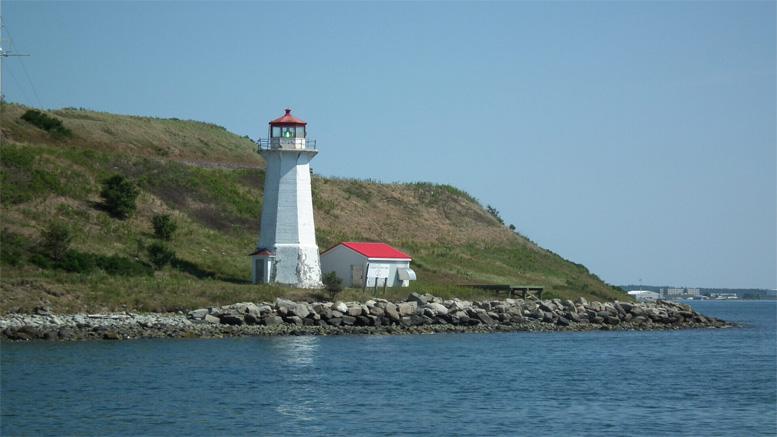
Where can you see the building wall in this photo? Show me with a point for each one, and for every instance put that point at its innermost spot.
(341, 258)
(288, 228)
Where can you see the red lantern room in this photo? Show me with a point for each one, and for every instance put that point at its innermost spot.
(288, 132)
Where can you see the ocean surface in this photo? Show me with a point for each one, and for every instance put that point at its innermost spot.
(691, 382)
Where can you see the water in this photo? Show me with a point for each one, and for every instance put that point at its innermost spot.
(706, 382)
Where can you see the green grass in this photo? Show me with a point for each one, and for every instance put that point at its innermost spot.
(453, 240)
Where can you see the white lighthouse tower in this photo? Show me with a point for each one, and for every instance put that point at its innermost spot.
(287, 252)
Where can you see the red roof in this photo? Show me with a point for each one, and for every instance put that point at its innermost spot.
(373, 250)
(288, 119)
(262, 252)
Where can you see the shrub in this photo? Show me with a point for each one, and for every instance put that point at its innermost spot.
(164, 226)
(120, 266)
(160, 254)
(12, 248)
(43, 121)
(491, 210)
(119, 196)
(332, 284)
(76, 262)
(56, 240)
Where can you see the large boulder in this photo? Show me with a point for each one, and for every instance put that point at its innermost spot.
(407, 308)
(392, 312)
(340, 307)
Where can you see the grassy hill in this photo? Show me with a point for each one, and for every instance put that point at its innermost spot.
(210, 181)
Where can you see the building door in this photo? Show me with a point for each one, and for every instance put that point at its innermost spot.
(357, 272)
(260, 271)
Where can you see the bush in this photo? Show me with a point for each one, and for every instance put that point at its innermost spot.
(56, 240)
(12, 248)
(332, 284)
(49, 124)
(76, 262)
(119, 196)
(493, 211)
(160, 254)
(119, 266)
(40, 261)
(164, 226)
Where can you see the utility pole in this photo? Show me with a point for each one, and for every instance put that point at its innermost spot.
(4, 54)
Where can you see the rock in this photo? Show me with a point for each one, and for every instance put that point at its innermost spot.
(392, 313)
(110, 335)
(197, 314)
(212, 319)
(341, 307)
(418, 299)
(377, 311)
(293, 320)
(483, 317)
(271, 320)
(562, 322)
(407, 308)
(354, 310)
(349, 320)
(436, 308)
(232, 319)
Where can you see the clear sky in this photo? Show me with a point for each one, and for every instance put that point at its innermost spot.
(636, 138)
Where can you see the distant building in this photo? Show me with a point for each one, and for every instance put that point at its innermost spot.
(368, 265)
(675, 291)
(692, 292)
(643, 295)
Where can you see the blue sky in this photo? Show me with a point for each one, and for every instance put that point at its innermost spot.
(636, 138)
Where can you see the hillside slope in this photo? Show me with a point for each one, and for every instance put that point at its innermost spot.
(54, 178)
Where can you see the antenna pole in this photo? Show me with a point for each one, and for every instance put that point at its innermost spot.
(4, 54)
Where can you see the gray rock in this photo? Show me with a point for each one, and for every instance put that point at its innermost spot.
(197, 314)
(340, 307)
(271, 320)
(418, 299)
(392, 313)
(407, 308)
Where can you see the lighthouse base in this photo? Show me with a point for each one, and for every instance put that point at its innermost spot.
(297, 265)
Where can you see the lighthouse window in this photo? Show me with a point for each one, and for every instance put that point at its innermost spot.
(288, 132)
(276, 131)
(300, 132)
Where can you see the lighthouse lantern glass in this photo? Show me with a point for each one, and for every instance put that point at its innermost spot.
(288, 132)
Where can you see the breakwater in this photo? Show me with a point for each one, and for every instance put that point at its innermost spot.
(418, 314)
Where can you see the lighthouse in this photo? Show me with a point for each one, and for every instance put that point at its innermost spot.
(287, 252)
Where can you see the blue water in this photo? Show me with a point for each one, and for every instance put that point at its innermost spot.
(705, 382)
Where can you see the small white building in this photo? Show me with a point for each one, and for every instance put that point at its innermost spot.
(368, 265)
(643, 295)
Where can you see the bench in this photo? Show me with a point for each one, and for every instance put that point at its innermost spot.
(527, 291)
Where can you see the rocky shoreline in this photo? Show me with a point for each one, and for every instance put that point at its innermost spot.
(419, 314)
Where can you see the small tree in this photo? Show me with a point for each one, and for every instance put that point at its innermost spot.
(119, 195)
(164, 226)
(160, 254)
(56, 240)
(332, 284)
(493, 211)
